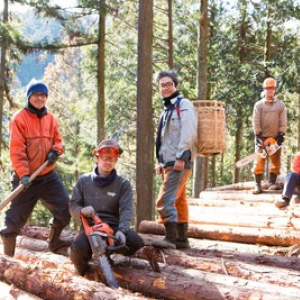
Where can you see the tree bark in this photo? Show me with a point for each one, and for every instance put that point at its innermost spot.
(145, 130)
(56, 283)
(101, 73)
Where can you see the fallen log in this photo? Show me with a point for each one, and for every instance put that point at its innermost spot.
(178, 283)
(249, 185)
(228, 203)
(10, 292)
(55, 284)
(218, 286)
(236, 220)
(241, 210)
(244, 266)
(268, 197)
(274, 237)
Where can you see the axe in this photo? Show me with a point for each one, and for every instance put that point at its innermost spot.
(21, 187)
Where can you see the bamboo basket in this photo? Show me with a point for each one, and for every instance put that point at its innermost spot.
(211, 127)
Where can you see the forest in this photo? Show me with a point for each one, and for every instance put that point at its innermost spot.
(99, 59)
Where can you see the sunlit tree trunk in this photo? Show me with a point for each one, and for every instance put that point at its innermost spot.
(201, 164)
(2, 71)
(170, 35)
(101, 73)
(145, 128)
(242, 56)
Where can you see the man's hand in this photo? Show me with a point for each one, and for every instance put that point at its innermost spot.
(25, 181)
(179, 165)
(52, 157)
(88, 212)
(121, 237)
(280, 139)
(259, 142)
(158, 169)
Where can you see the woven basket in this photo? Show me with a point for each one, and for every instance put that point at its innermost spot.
(211, 127)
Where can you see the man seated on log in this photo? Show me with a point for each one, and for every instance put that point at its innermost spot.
(292, 184)
(35, 138)
(175, 152)
(109, 196)
(269, 121)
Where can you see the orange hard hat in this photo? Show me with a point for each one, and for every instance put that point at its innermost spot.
(108, 147)
(269, 83)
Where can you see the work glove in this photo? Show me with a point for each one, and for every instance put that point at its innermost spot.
(259, 142)
(25, 181)
(88, 212)
(52, 157)
(121, 237)
(280, 139)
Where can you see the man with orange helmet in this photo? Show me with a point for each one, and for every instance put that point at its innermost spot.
(269, 120)
(104, 193)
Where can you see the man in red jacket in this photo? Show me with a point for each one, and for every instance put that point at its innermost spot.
(35, 138)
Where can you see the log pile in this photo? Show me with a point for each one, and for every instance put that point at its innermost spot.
(242, 247)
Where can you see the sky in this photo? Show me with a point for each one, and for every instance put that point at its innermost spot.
(62, 3)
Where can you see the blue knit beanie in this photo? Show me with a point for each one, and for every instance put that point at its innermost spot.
(36, 86)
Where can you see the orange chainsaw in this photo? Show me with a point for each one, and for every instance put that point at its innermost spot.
(103, 243)
(269, 148)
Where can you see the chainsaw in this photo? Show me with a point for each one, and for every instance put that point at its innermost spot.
(270, 147)
(103, 243)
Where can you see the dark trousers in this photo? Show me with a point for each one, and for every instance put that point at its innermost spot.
(50, 190)
(81, 252)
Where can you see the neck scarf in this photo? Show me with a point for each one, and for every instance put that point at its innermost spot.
(167, 100)
(39, 112)
(101, 180)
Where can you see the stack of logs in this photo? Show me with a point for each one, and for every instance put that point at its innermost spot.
(242, 247)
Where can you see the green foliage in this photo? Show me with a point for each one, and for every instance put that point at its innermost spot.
(71, 73)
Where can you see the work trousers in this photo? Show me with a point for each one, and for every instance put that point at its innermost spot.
(50, 190)
(172, 206)
(81, 251)
(291, 185)
(274, 167)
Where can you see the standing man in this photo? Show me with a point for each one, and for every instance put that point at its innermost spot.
(175, 152)
(35, 138)
(269, 120)
(109, 196)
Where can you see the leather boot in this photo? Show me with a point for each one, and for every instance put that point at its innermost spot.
(170, 237)
(182, 240)
(258, 188)
(9, 245)
(273, 186)
(283, 202)
(54, 242)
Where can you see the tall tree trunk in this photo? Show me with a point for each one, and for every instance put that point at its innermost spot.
(101, 73)
(3, 70)
(201, 163)
(268, 41)
(242, 55)
(145, 128)
(170, 35)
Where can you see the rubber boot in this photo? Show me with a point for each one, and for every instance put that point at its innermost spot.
(9, 245)
(80, 266)
(54, 242)
(258, 188)
(182, 240)
(283, 202)
(170, 237)
(273, 186)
